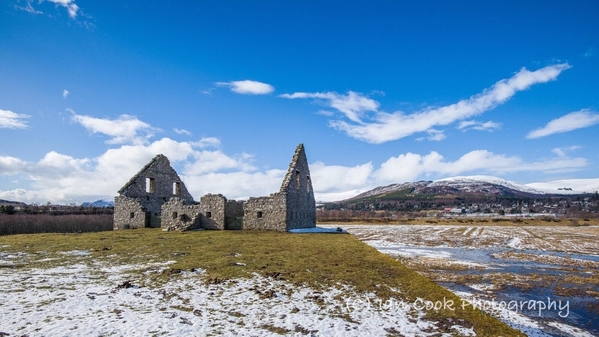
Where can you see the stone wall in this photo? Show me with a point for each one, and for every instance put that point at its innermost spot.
(300, 203)
(152, 186)
(177, 215)
(212, 207)
(128, 213)
(234, 208)
(266, 213)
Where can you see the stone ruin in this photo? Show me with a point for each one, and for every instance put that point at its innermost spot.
(156, 197)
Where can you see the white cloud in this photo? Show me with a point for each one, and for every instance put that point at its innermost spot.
(410, 166)
(572, 121)
(11, 165)
(248, 87)
(61, 178)
(73, 10)
(213, 161)
(235, 185)
(29, 8)
(65, 93)
(433, 135)
(480, 126)
(562, 151)
(126, 129)
(352, 104)
(70, 5)
(12, 120)
(379, 127)
(207, 142)
(331, 178)
(182, 132)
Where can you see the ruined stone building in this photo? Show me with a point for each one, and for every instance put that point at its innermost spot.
(139, 203)
(156, 197)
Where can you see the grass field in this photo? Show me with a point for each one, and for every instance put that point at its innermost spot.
(319, 261)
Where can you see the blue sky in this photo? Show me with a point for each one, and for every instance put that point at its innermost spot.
(379, 92)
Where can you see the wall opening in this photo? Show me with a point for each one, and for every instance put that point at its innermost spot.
(259, 214)
(209, 215)
(131, 215)
(150, 185)
(175, 215)
(176, 188)
(297, 179)
(308, 183)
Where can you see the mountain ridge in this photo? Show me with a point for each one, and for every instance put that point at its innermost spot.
(482, 185)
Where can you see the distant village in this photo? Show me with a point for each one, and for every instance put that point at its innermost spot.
(570, 206)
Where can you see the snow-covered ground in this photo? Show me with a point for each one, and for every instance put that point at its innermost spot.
(88, 297)
(503, 251)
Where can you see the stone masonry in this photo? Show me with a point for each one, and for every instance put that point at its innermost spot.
(293, 207)
(140, 200)
(179, 215)
(156, 197)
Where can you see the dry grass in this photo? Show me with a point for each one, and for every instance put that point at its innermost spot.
(318, 260)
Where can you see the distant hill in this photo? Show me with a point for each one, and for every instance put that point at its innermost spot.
(12, 203)
(484, 186)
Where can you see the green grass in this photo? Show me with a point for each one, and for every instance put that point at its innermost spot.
(317, 260)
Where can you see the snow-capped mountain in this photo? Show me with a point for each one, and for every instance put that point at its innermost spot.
(382, 190)
(99, 203)
(484, 185)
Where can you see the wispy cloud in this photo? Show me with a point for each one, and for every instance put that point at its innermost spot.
(247, 87)
(73, 10)
(12, 120)
(572, 121)
(70, 6)
(563, 151)
(65, 93)
(29, 8)
(480, 126)
(590, 53)
(125, 129)
(433, 135)
(182, 132)
(352, 104)
(379, 127)
(207, 142)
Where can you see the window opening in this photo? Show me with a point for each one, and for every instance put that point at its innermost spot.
(175, 215)
(297, 179)
(176, 188)
(209, 215)
(131, 215)
(150, 185)
(259, 214)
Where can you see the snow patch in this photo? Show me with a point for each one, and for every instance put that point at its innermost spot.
(96, 298)
(515, 243)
